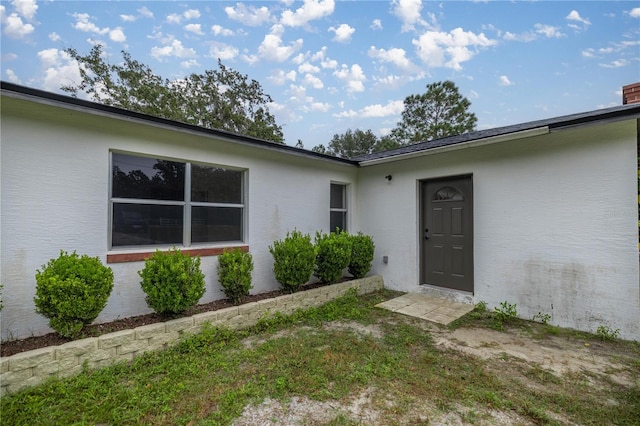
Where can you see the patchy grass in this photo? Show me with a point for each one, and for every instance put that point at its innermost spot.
(396, 375)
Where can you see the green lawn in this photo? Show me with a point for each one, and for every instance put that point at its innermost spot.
(330, 357)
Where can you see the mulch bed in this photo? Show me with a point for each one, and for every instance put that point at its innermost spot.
(53, 339)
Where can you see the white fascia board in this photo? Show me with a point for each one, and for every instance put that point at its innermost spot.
(463, 145)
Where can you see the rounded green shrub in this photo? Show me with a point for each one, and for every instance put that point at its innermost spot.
(362, 249)
(172, 281)
(293, 260)
(71, 291)
(234, 273)
(333, 254)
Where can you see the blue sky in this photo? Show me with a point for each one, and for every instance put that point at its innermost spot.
(334, 65)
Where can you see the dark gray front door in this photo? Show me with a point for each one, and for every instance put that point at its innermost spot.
(447, 233)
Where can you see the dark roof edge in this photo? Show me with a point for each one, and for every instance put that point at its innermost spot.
(58, 99)
(616, 113)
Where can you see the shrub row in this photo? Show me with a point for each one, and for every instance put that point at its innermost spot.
(296, 258)
(72, 290)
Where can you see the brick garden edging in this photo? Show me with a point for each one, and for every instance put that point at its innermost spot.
(31, 368)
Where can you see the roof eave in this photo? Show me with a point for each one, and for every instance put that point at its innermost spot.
(80, 105)
(463, 145)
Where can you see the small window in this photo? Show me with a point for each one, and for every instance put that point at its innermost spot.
(338, 207)
(162, 202)
(448, 193)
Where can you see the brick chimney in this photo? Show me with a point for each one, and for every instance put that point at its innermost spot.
(631, 94)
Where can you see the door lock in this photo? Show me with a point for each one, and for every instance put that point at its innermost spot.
(426, 233)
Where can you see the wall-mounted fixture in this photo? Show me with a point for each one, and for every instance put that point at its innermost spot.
(385, 259)
(388, 177)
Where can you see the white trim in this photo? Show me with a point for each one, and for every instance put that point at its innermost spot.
(463, 145)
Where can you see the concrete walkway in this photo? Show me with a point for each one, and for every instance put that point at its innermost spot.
(438, 310)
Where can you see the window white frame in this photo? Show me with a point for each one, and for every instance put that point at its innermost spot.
(343, 206)
(187, 204)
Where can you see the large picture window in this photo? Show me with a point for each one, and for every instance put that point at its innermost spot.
(164, 202)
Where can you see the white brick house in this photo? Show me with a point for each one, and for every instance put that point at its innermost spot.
(541, 214)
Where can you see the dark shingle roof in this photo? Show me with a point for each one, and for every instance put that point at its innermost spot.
(608, 114)
(71, 102)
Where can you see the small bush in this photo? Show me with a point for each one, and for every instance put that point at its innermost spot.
(234, 274)
(507, 312)
(71, 291)
(362, 249)
(293, 260)
(333, 255)
(607, 333)
(172, 281)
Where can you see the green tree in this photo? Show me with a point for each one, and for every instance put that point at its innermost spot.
(439, 112)
(217, 99)
(354, 143)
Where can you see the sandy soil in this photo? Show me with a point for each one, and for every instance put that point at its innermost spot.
(557, 355)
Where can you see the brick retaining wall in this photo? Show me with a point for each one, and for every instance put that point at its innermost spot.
(31, 368)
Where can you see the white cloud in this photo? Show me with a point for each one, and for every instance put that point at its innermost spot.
(395, 56)
(588, 53)
(223, 51)
(189, 64)
(306, 67)
(504, 81)
(309, 11)
(272, 48)
(343, 33)
(59, 69)
(84, 24)
(194, 28)
(374, 111)
(313, 81)
(318, 107)
(376, 24)
(26, 8)
(12, 77)
(615, 64)
(409, 12)
(279, 77)
(175, 48)
(117, 35)
(221, 31)
(635, 12)
(174, 18)
(454, 47)
(575, 16)
(251, 16)
(325, 62)
(548, 31)
(144, 11)
(191, 14)
(353, 77)
(128, 18)
(14, 27)
(526, 36)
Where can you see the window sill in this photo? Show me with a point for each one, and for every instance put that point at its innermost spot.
(141, 256)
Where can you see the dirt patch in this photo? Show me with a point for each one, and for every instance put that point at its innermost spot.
(303, 411)
(557, 355)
